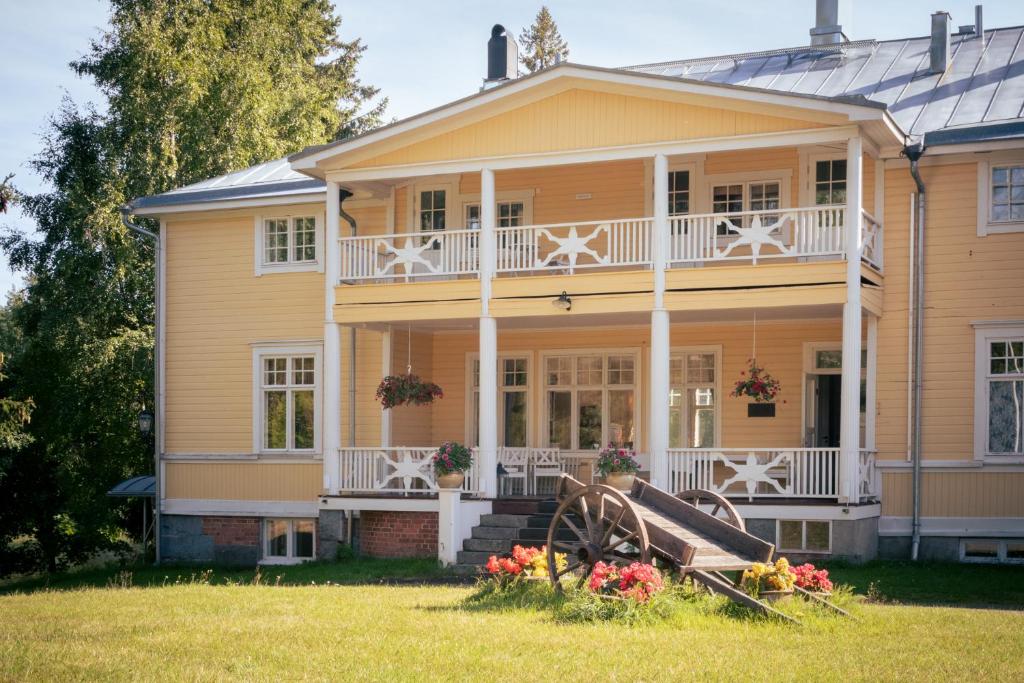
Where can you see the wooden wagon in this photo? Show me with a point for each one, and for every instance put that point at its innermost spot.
(596, 523)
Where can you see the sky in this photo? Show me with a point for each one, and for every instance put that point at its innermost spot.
(423, 53)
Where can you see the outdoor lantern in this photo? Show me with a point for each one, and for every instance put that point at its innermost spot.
(145, 422)
(563, 302)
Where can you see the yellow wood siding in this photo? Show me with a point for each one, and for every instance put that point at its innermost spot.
(217, 308)
(580, 119)
(955, 494)
(243, 480)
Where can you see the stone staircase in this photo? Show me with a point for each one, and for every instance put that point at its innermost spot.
(513, 522)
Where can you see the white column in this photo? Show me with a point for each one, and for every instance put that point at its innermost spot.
(449, 539)
(332, 346)
(849, 419)
(660, 334)
(385, 370)
(488, 342)
(871, 383)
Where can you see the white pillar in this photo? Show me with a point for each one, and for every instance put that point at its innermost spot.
(332, 345)
(449, 539)
(871, 383)
(849, 420)
(488, 342)
(385, 370)
(660, 335)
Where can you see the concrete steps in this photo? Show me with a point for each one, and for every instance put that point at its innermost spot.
(514, 522)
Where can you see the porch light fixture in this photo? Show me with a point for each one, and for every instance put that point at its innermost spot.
(145, 423)
(563, 302)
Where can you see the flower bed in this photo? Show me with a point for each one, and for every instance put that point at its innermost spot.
(812, 579)
(530, 563)
(762, 579)
(636, 581)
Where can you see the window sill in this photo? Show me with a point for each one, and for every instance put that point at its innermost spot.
(284, 561)
(1002, 228)
(298, 455)
(271, 268)
(990, 459)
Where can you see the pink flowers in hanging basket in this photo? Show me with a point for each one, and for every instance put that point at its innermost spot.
(397, 390)
(758, 385)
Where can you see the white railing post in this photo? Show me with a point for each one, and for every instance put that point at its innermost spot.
(331, 419)
(488, 341)
(448, 538)
(660, 330)
(849, 420)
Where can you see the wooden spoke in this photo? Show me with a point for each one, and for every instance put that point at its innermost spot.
(621, 541)
(565, 545)
(586, 517)
(613, 526)
(568, 568)
(575, 529)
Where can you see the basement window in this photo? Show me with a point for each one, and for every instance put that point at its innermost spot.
(288, 541)
(992, 551)
(804, 536)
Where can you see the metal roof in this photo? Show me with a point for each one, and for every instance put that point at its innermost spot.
(269, 179)
(136, 487)
(983, 84)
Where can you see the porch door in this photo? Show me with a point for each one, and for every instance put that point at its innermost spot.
(692, 408)
(824, 396)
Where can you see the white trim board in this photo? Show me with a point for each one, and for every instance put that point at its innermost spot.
(239, 508)
(379, 503)
(825, 511)
(1001, 527)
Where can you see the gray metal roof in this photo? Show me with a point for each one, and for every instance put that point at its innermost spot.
(141, 487)
(269, 179)
(984, 82)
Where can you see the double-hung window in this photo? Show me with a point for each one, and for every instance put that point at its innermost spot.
(287, 243)
(693, 405)
(733, 198)
(590, 400)
(287, 404)
(510, 214)
(830, 182)
(1000, 196)
(999, 414)
(432, 212)
(513, 394)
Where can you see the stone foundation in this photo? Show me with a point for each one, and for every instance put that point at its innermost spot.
(330, 533)
(934, 548)
(397, 534)
(855, 540)
(217, 540)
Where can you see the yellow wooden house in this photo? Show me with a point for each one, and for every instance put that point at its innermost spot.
(588, 256)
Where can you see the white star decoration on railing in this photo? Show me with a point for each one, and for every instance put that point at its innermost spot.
(754, 472)
(756, 236)
(572, 246)
(411, 466)
(408, 255)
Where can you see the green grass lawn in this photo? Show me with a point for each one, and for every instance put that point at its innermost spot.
(169, 624)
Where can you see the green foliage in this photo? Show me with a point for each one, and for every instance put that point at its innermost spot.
(541, 43)
(193, 89)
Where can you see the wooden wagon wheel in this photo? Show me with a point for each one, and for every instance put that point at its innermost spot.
(593, 524)
(721, 506)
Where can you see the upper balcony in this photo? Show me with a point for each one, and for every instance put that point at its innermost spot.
(797, 235)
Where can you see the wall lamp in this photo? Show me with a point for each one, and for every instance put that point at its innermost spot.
(563, 302)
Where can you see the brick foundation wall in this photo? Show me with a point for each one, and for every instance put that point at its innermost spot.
(386, 533)
(233, 530)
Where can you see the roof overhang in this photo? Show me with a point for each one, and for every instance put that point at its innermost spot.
(872, 116)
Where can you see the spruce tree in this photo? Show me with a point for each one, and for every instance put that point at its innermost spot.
(542, 45)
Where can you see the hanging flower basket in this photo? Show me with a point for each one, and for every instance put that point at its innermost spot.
(397, 390)
(757, 384)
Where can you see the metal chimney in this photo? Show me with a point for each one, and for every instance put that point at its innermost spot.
(502, 56)
(827, 27)
(939, 51)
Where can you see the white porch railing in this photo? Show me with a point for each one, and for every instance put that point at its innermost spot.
(756, 473)
(566, 247)
(753, 235)
(389, 471)
(871, 241)
(414, 255)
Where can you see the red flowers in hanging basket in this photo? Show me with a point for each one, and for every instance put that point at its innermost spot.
(759, 385)
(397, 390)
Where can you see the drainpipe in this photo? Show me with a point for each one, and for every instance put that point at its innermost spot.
(158, 389)
(343, 195)
(914, 153)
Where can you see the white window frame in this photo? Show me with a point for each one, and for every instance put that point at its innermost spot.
(472, 396)
(984, 333)
(784, 177)
(290, 558)
(505, 197)
(690, 190)
(289, 266)
(808, 162)
(1000, 557)
(986, 226)
(604, 388)
(810, 368)
(803, 537)
(259, 352)
(681, 352)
